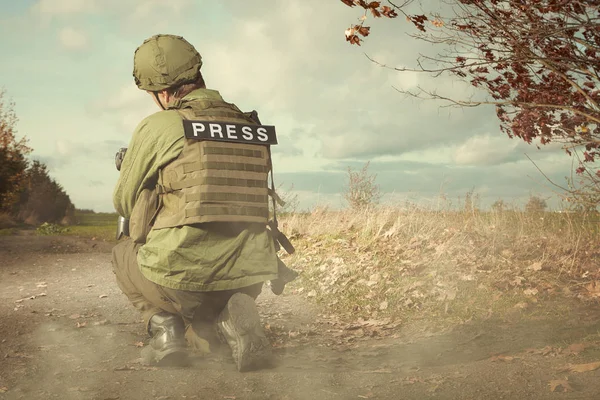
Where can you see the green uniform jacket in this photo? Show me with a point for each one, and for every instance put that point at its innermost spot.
(204, 257)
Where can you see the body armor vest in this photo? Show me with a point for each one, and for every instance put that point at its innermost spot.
(214, 181)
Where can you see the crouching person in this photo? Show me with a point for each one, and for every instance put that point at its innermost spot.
(194, 184)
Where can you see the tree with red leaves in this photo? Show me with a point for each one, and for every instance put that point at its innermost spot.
(537, 62)
(13, 151)
(27, 191)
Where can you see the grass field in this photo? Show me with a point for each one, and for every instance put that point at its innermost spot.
(101, 226)
(89, 224)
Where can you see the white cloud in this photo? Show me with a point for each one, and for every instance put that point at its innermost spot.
(485, 150)
(494, 149)
(126, 107)
(147, 8)
(63, 147)
(62, 7)
(72, 38)
(139, 8)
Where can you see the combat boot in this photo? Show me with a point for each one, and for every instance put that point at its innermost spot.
(167, 345)
(239, 325)
(284, 276)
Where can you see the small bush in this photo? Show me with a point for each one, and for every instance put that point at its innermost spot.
(51, 229)
(536, 205)
(361, 191)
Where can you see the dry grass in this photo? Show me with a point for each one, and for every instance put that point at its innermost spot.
(443, 265)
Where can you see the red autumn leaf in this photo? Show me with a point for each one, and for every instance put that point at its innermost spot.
(364, 30)
(388, 12)
(560, 385)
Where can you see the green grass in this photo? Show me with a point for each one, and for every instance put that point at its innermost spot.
(96, 219)
(99, 232)
(101, 226)
(89, 224)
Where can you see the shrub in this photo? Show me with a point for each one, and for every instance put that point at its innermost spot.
(361, 191)
(50, 229)
(535, 205)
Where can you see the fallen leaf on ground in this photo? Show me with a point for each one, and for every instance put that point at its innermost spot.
(502, 358)
(413, 379)
(530, 292)
(139, 344)
(125, 368)
(561, 384)
(536, 266)
(518, 281)
(103, 296)
(3, 389)
(81, 324)
(582, 367)
(548, 350)
(593, 288)
(383, 305)
(576, 348)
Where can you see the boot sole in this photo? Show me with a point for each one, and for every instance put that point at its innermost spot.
(251, 341)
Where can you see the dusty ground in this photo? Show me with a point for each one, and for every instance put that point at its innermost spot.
(66, 332)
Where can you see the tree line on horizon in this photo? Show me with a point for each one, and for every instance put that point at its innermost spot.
(27, 192)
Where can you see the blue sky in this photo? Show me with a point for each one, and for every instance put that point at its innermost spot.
(67, 64)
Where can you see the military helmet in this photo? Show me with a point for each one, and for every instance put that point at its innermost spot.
(164, 61)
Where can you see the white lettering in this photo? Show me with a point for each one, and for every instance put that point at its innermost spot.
(247, 133)
(214, 129)
(230, 131)
(198, 127)
(262, 134)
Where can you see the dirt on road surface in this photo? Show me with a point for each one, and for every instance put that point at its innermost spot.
(67, 332)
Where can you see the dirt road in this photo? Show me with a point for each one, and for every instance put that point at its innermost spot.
(66, 332)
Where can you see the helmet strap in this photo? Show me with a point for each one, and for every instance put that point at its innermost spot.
(158, 100)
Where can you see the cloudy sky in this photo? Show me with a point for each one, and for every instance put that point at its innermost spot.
(67, 64)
